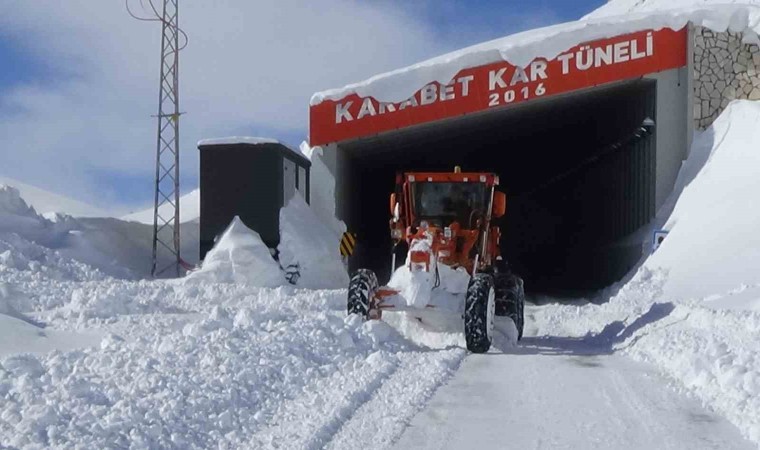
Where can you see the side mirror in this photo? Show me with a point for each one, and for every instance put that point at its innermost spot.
(499, 204)
(394, 207)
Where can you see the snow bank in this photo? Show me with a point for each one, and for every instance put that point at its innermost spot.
(306, 243)
(620, 7)
(47, 202)
(692, 308)
(11, 203)
(522, 48)
(57, 246)
(322, 192)
(19, 339)
(240, 256)
(18, 217)
(252, 369)
(18, 335)
(714, 226)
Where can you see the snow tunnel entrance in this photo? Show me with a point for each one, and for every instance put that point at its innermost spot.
(578, 171)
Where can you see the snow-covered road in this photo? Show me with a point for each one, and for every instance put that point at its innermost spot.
(564, 393)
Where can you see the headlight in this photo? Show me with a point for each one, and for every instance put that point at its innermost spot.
(397, 233)
(447, 233)
(424, 225)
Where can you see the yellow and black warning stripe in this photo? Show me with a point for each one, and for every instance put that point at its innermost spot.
(347, 244)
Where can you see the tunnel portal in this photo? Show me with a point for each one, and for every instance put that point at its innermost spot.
(578, 170)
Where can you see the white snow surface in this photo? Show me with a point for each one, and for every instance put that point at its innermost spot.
(717, 217)
(322, 192)
(240, 256)
(60, 246)
(306, 242)
(691, 309)
(189, 205)
(557, 393)
(195, 363)
(49, 203)
(238, 140)
(621, 7)
(522, 48)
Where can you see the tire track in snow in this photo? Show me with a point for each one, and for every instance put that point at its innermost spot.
(367, 404)
(380, 421)
(310, 420)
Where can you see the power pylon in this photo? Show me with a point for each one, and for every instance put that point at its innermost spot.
(166, 214)
(166, 221)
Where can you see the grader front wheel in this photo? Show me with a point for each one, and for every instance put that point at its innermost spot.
(479, 312)
(361, 290)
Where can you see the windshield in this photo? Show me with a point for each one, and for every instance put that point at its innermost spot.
(444, 203)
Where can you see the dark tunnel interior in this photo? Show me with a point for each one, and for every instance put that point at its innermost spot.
(578, 172)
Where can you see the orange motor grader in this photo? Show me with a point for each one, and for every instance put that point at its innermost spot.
(453, 264)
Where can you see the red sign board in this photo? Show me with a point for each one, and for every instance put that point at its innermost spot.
(502, 84)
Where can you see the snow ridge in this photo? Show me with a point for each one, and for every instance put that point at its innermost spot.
(522, 48)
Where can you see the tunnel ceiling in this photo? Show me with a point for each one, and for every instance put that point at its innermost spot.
(567, 193)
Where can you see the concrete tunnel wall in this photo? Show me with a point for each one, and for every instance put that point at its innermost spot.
(601, 264)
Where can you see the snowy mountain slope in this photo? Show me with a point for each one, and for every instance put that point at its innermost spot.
(47, 202)
(189, 204)
(622, 7)
(77, 248)
(522, 48)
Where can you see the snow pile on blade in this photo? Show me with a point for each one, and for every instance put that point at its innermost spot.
(308, 245)
(693, 308)
(240, 256)
(522, 48)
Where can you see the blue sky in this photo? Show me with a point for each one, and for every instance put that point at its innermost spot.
(79, 80)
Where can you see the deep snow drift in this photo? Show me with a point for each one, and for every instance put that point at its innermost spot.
(191, 365)
(688, 310)
(714, 227)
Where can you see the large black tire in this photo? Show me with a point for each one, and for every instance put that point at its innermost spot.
(361, 290)
(479, 311)
(510, 299)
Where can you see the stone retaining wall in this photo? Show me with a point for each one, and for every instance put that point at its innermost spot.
(725, 69)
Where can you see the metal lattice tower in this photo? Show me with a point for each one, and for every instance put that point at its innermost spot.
(166, 218)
